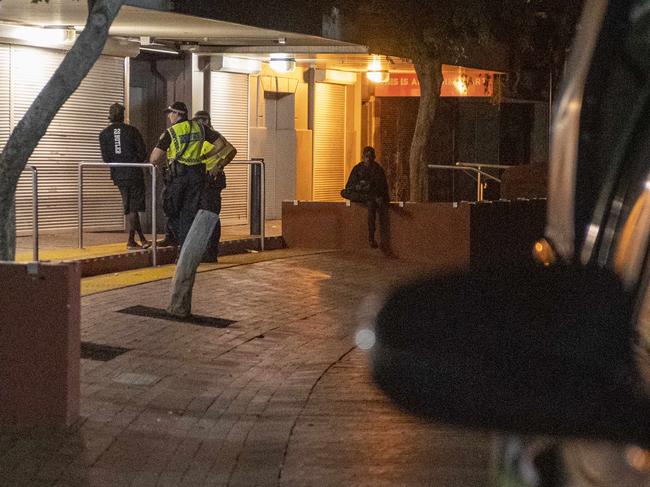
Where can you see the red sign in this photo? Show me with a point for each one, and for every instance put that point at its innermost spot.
(457, 81)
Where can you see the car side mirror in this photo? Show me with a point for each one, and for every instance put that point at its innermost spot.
(524, 349)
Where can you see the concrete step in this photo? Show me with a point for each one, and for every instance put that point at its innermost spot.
(97, 265)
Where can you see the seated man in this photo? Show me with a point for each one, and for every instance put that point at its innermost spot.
(367, 184)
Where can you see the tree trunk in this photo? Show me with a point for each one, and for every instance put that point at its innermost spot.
(180, 301)
(429, 71)
(29, 131)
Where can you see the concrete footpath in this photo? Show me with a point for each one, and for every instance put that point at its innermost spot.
(280, 396)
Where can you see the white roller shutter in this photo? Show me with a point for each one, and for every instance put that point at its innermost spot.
(71, 138)
(329, 142)
(229, 113)
(5, 120)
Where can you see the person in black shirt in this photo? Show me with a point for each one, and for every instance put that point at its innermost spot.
(367, 184)
(120, 142)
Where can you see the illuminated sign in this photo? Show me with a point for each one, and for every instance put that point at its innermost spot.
(457, 81)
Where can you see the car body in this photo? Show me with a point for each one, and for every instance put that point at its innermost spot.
(554, 355)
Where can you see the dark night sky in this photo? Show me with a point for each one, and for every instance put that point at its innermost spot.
(294, 16)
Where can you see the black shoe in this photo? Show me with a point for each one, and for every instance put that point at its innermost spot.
(166, 243)
(145, 244)
(133, 246)
(373, 243)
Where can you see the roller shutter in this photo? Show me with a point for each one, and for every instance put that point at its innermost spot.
(5, 121)
(229, 113)
(5, 100)
(329, 142)
(71, 138)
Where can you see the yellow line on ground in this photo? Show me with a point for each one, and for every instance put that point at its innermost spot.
(71, 253)
(108, 282)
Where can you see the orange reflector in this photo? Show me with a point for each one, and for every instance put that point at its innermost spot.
(543, 252)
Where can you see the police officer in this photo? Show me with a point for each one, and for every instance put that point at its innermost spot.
(120, 142)
(214, 185)
(182, 143)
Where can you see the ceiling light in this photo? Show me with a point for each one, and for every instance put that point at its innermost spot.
(375, 72)
(379, 76)
(282, 63)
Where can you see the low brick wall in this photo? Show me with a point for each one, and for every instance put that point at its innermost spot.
(442, 235)
(39, 344)
(436, 233)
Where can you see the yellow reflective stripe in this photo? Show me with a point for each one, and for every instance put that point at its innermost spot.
(211, 161)
(175, 146)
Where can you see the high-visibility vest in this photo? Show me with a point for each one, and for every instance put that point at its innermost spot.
(187, 143)
(212, 160)
(223, 157)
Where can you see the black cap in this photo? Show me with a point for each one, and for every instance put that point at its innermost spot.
(116, 112)
(202, 114)
(178, 107)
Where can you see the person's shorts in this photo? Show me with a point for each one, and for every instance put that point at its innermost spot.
(133, 198)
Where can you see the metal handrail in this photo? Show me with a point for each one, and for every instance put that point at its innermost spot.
(154, 246)
(259, 162)
(34, 211)
(479, 173)
(480, 165)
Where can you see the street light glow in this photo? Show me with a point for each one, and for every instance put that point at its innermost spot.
(365, 339)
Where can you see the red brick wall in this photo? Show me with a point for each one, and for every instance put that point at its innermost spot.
(39, 344)
(470, 235)
(434, 233)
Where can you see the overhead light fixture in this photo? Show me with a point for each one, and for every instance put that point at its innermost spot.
(282, 63)
(378, 76)
(375, 72)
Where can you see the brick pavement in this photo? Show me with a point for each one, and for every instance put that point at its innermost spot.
(281, 397)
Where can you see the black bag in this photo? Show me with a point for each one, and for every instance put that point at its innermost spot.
(354, 196)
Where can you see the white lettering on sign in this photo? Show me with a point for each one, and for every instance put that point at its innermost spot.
(117, 136)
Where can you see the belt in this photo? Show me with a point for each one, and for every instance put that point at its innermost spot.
(176, 169)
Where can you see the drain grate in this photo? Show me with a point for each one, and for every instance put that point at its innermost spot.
(102, 353)
(198, 320)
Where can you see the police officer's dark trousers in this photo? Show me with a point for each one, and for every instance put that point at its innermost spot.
(183, 197)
